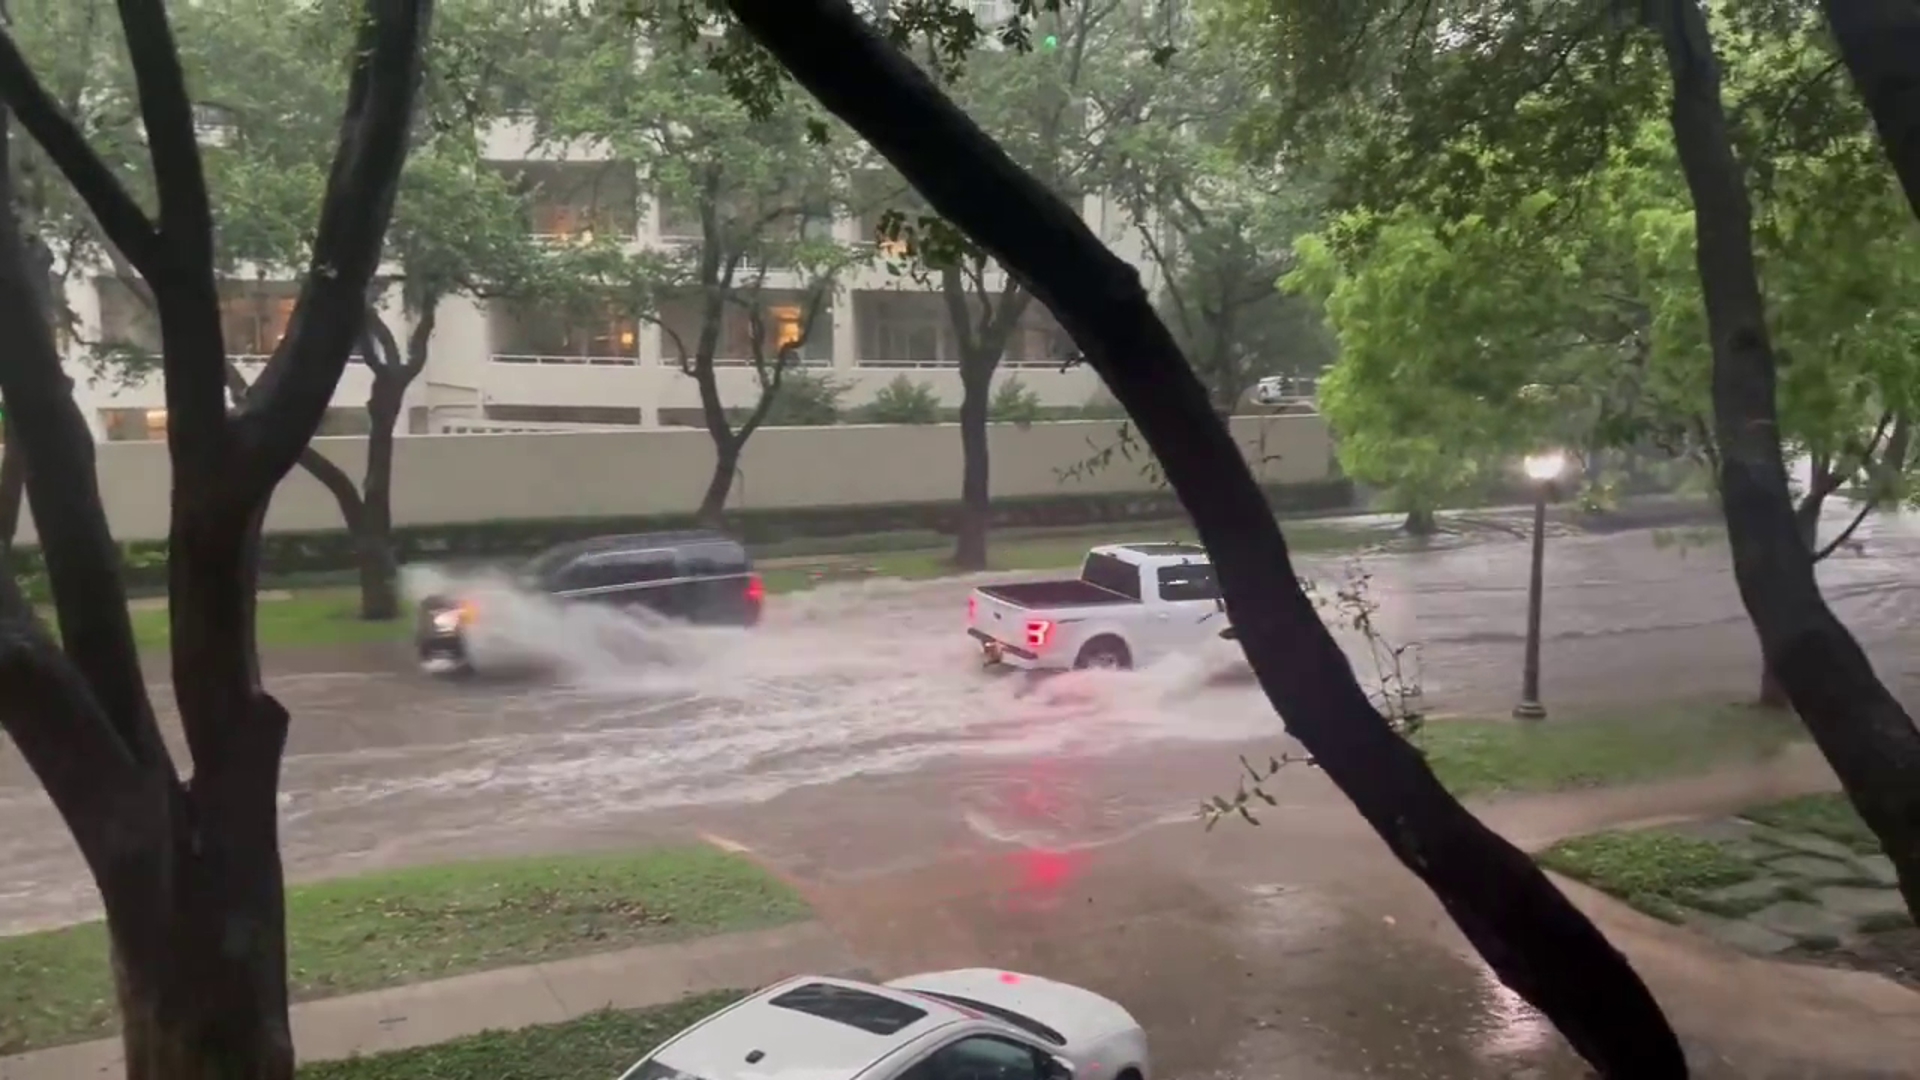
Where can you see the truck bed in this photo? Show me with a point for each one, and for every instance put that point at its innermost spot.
(1066, 592)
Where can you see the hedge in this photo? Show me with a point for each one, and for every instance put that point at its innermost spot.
(293, 553)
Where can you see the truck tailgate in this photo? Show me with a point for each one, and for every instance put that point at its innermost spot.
(1003, 620)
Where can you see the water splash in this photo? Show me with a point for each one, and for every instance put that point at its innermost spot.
(637, 712)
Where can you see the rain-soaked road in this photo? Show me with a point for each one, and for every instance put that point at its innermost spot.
(853, 743)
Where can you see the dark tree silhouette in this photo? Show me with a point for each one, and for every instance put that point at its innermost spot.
(1865, 734)
(188, 868)
(1532, 936)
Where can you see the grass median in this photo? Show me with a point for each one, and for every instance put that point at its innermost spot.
(599, 1046)
(409, 926)
(1601, 749)
(321, 614)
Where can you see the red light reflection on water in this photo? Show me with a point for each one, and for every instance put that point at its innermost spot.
(1042, 807)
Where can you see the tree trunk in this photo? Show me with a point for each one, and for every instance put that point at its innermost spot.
(1860, 727)
(726, 465)
(1806, 517)
(1420, 523)
(13, 488)
(203, 994)
(373, 536)
(976, 500)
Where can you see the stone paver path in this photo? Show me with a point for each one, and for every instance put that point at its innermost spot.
(1808, 893)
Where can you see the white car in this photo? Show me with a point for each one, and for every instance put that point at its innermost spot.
(1131, 604)
(975, 1024)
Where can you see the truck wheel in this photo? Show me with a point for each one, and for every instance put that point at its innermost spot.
(1108, 653)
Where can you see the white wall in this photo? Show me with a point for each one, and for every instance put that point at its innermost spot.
(455, 478)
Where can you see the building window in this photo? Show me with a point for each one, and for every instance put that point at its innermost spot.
(899, 329)
(254, 319)
(783, 319)
(1039, 341)
(534, 334)
(134, 425)
(577, 199)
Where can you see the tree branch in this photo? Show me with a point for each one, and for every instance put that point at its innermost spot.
(1867, 506)
(166, 114)
(126, 225)
(63, 490)
(292, 395)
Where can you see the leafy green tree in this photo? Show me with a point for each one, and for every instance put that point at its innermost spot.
(188, 868)
(459, 227)
(1515, 98)
(1218, 229)
(1045, 105)
(749, 200)
(903, 401)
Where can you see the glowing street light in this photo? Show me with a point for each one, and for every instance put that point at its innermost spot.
(1543, 469)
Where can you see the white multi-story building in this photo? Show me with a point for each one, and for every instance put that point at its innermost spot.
(505, 366)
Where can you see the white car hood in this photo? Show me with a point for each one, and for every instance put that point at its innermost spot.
(1081, 1016)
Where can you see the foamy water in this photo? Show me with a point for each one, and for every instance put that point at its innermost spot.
(644, 713)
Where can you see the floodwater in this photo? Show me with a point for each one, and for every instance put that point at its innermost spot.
(877, 678)
(853, 740)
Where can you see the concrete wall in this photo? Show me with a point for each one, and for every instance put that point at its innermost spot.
(454, 478)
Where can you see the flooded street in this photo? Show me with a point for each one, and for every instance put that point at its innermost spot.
(877, 679)
(854, 744)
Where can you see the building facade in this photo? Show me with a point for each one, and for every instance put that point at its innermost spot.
(498, 365)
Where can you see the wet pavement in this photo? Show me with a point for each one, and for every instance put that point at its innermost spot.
(938, 814)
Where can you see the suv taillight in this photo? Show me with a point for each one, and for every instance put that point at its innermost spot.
(756, 589)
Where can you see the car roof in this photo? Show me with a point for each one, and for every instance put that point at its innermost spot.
(1155, 553)
(651, 541)
(784, 1024)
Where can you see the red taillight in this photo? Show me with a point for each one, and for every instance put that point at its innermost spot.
(756, 589)
(1038, 631)
(973, 608)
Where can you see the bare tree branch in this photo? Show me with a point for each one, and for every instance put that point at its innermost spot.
(121, 218)
(292, 395)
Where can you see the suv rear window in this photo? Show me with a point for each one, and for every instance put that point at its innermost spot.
(1113, 575)
(870, 1013)
(713, 560)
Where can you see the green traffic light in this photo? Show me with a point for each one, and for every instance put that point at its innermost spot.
(1050, 42)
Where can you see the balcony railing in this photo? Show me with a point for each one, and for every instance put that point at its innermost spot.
(541, 358)
(896, 364)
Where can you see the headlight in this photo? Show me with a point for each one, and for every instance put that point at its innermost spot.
(446, 622)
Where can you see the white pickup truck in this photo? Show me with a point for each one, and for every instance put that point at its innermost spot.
(1131, 604)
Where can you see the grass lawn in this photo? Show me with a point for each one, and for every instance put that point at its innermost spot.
(1659, 872)
(595, 1047)
(415, 925)
(329, 614)
(1488, 757)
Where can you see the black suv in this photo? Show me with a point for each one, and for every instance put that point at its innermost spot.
(698, 577)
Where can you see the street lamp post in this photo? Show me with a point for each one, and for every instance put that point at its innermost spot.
(1543, 469)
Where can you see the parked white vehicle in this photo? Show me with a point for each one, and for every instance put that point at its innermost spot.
(1131, 604)
(948, 1025)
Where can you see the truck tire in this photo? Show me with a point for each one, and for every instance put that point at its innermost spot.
(1105, 652)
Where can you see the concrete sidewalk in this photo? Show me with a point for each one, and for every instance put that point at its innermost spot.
(508, 998)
